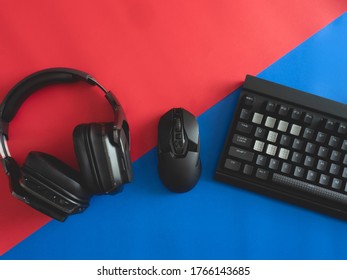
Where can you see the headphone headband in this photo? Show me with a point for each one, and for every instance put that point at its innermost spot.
(30, 84)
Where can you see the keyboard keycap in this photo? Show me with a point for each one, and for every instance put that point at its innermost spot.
(257, 118)
(344, 145)
(309, 161)
(260, 132)
(245, 114)
(258, 146)
(322, 165)
(270, 122)
(323, 152)
(261, 160)
(334, 169)
(240, 153)
(274, 163)
(336, 184)
(342, 128)
(270, 107)
(248, 100)
(244, 127)
(248, 169)
(334, 141)
(295, 130)
(282, 126)
(298, 144)
(283, 111)
(308, 118)
(262, 174)
(272, 136)
(344, 173)
(335, 155)
(324, 180)
(285, 140)
(329, 125)
(308, 133)
(232, 164)
(296, 114)
(242, 140)
(321, 136)
(299, 172)
(296, 157)
(311, 176)
(286, 168)
(271, 150)
(310, 148)
(283, 154)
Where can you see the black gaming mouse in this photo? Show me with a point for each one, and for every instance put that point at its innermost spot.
(179, 150)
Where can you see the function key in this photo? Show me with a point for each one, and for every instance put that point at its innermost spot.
(283, 111)
(296, 114)
(308, 118)
(342, 128)
(248, 100)
(308, 133)
(270, 107)
(329, 124)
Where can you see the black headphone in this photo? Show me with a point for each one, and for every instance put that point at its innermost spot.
(102, 151)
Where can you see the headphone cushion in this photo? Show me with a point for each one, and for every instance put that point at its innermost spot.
(55, 174)
(97, 157)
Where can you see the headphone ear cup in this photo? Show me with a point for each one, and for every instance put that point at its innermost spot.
(98, 157)
(56, 175)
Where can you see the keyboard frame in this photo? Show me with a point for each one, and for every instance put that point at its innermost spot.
(295, 98)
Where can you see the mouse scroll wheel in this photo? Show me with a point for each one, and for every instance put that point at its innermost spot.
(178, 125)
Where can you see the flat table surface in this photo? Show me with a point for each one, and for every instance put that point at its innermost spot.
(214, 220)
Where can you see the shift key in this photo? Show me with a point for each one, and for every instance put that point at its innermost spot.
(240, 153)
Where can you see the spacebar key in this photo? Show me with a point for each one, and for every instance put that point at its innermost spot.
(309, 188)
(240, 153)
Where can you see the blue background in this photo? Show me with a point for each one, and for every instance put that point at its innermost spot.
(214, 220)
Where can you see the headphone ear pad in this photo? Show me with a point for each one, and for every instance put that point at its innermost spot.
(98, 157)
(56, 175)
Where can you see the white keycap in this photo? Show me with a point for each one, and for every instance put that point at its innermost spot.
(295, 130)
(270, 122)
(272, 136)
(257, 118)
(282, 126)
(271, 150)
(283, 154)
(258, 146)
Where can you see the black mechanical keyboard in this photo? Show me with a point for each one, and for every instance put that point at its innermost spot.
(288, 144)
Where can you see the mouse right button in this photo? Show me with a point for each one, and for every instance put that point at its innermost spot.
(191, 126)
